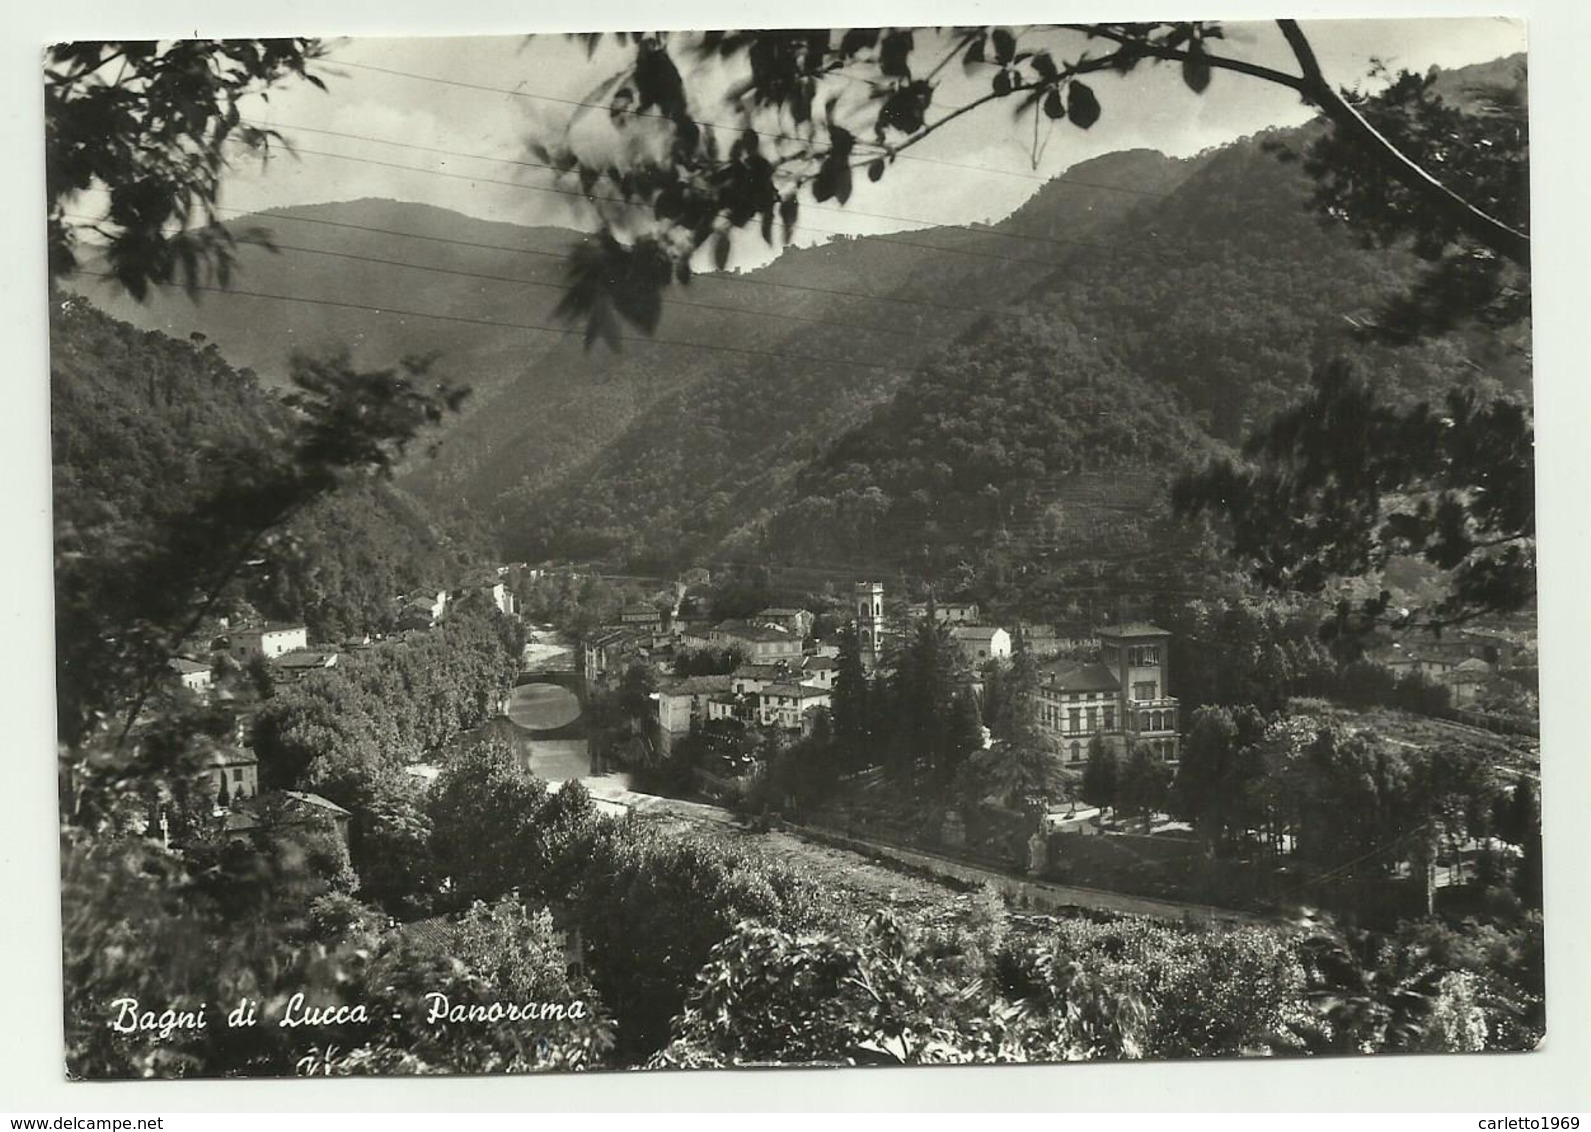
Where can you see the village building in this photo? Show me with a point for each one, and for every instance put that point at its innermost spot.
(786, 706)
(298, 808)
(1496, 648)
(269, 641)
(497, 593)
(1423, 660)
(695, 634)
(420, 611)
(727, 705)
(1467, 681)
(297, 665)
(1122, 698)
(646, 616)
(301, 801)
(1434, 656)
(979, 644)
(795, 621)
(235, 775)
(760, 644)
(749, 679)
(947, 613)
(607, 652)
(1043, 642)
(820, 671)
(193, 675)
(683, 703)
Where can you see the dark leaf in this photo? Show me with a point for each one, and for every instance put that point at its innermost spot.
(842, 183)
(875, 169)
(1004, 45)
(658, 82)
(894, 53)
(1053, 107)
(1196, 71)
(857, 39)
(1082, 106)
(843, 141)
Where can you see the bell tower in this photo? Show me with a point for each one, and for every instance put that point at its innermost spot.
(868, 601)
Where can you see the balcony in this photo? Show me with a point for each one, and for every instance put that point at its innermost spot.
(1154, 717)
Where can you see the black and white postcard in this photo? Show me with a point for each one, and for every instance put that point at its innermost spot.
(855, 547)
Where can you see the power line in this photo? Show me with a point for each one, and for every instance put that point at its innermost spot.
(562, 256)
(883, 239)
(559, 287)
(574, 102)
(841, 211)
(1046, 264)
(562, 331)
(922, 157)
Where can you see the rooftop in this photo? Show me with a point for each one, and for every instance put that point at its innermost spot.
(305, 660)
(610, 634)
(762, 671)
(975, 632)
(236, 757)
(186, 667)
(317, 801)
(740, 630)
(1072, 677)
(795, 691)
(271, 627)
(695, 685)
(1130, 630)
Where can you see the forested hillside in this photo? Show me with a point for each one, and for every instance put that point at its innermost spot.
(915, 401)
(726, 449)
(146, 427)
(1206, 317)
(1178, 306)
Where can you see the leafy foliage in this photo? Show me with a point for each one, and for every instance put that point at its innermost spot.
(890, 998)
(386, 706)
(1477, 145)
(497, 829)
(653, 907)
(503, 952)
(1340, 484)
(690, 187)
(177, 480)
(150, 124)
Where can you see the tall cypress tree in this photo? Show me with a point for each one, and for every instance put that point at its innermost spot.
(851, 707)
(1101, 774)
(923, 693)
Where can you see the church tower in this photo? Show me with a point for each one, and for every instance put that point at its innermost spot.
(869, 605)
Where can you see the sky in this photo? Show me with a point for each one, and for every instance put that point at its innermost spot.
(386, 127)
